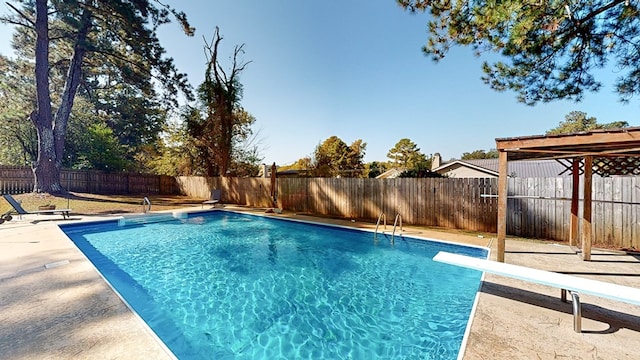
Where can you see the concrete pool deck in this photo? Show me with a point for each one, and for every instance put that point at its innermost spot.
(53, 304)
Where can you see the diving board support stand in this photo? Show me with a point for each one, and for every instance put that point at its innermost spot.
(574, 284)
(577, 308)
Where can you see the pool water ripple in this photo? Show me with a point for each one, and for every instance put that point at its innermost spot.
(234, 286)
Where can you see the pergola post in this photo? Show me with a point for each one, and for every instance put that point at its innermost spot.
(575, 199)
(503, 169)
(619, 148)
(586, 209)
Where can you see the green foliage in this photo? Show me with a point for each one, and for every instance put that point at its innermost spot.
(246, 149)
(137, 120)
(305, 163)
(406, 155)
(304, 166)
(173, 155)
(551, 48)
(189, 146)
(334, 158)
(402, 152)
(80, 121)
(577, 121)
(480, 154)
(102, 151)
(105, 44)
(18, 139)
(375, 168)
(420, 168)
(419, 173)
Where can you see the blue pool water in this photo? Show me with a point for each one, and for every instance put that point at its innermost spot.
(223, 285)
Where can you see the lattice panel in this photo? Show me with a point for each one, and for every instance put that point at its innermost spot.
(568, 167)
(617, 166)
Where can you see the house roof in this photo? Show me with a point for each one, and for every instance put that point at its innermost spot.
(522, 169)
(390, 174)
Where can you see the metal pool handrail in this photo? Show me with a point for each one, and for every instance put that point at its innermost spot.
(381, 216)
(395, 222)
(146, 205)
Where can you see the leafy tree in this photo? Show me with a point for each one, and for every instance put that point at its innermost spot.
(334, 158)
(305, 163)
(186, 148)
(355, 158)
(304, 166)
(118, 32)
(219, 118)
(552, 47)
(105, 97)
(134, 117)
(419, 172)
(174, 154)
(18, 139)
(102, 151)
(577, 121)
(246, 151)
(406, 154)
(81, 121)
(375, 168)
(420, 167)
(480, 154)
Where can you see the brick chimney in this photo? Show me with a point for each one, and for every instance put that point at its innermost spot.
(436, 161)
(263, 171)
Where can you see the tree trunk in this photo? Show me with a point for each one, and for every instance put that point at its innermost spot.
(71, 86)
(47, 177)
(52, 134)
(47, 170)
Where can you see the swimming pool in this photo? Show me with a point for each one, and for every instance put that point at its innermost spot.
(225, 285)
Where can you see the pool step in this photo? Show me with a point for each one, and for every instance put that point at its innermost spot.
(149, 218)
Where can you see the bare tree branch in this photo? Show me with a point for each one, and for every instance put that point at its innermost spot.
(22, 15)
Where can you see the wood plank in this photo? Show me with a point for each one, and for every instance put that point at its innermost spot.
(626, 219)
(586, 237)
(502, 203)
(575, 199)
(607, 210)
(550, 190)
(633, 241)
(617, 209)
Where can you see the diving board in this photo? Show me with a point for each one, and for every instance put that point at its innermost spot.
(574, 284)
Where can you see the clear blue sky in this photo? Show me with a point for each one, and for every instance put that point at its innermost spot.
(355, 69)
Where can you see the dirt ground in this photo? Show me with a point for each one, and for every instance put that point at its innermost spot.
(96, 204)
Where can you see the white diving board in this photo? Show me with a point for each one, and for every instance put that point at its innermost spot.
(573, 284)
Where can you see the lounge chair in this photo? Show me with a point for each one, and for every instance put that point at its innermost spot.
(21, 211)
(214, 199)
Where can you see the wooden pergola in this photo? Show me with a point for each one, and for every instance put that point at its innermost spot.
(604, 152)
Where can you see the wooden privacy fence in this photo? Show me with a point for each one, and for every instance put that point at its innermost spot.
(541, 208)
(19, 179)
(253, 192)
(536, 207)
(450, 203)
